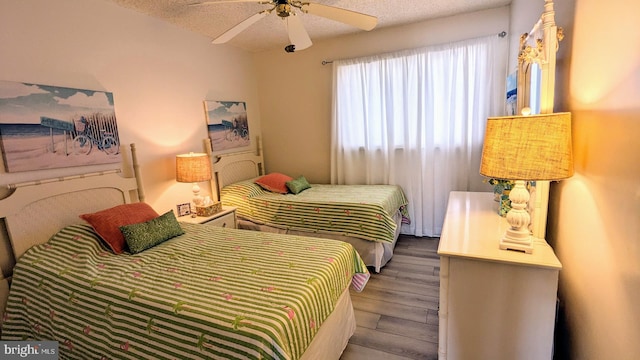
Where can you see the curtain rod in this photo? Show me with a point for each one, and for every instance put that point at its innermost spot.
(327, 62)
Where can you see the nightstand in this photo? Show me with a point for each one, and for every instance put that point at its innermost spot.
(224, 218)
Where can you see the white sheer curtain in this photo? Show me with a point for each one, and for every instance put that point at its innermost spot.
(416, 119)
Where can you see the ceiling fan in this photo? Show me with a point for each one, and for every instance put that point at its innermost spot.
(286, 9)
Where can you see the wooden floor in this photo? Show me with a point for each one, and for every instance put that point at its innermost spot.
(397, 312)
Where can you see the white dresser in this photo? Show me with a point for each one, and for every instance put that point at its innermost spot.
(494, 304)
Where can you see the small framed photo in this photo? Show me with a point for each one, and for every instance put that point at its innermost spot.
(184, 209)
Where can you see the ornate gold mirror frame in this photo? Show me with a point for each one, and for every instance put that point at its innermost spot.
(539, 47)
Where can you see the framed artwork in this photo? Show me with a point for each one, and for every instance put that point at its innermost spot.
(512, 94)
(45, 127)
(227, 124)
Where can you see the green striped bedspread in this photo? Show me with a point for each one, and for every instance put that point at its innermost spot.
(362, 211)
(212, 293)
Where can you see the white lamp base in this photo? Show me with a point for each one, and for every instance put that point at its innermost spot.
(197, 198)
(517, 236)
(525, 246)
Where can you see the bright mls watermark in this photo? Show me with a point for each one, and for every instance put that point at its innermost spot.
(41, 350)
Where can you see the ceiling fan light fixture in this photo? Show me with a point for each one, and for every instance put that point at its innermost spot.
(283, 10)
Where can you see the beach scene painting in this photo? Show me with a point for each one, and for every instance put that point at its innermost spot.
(512, 94)
(46, 127)
(227, 124)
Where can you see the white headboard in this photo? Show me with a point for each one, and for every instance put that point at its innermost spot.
(34, 211)
(230, 168)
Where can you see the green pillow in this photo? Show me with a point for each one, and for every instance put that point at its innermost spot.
(296, 186)
(145, 235)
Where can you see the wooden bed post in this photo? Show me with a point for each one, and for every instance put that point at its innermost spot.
(213, 183)
(136, 172)
(259, 153)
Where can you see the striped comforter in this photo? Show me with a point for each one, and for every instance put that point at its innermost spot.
(362, 211)
(212, 293)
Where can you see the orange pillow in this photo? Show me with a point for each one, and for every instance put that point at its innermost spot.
(107, 222)
(274, 182)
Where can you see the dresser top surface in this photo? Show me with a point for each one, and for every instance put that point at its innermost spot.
(473, 229)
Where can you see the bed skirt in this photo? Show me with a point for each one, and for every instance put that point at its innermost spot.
(334, 334)
(374, 254)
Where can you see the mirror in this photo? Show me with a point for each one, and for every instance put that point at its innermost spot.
(531, 61)
(535, 89)
(535, 74)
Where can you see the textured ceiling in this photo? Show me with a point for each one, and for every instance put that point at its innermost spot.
(269, 33)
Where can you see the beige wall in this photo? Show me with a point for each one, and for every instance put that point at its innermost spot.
(295, 88)
(159, 76)
(594, 219)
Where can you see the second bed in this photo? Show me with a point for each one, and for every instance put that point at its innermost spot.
(367, 216)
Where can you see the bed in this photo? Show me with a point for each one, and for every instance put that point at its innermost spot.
(203, 292)
(368, 217)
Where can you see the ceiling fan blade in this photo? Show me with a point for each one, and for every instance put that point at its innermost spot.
(231, 33)
(297, 33)
(359, 20)
(228, 1)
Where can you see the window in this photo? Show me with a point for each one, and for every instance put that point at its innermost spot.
(416, 118)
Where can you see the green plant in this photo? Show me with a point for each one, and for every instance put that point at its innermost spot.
(500, 185)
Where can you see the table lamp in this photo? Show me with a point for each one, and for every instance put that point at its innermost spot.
(526, 148)
(193, 168)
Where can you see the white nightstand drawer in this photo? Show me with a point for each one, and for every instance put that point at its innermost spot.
(227, 220)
